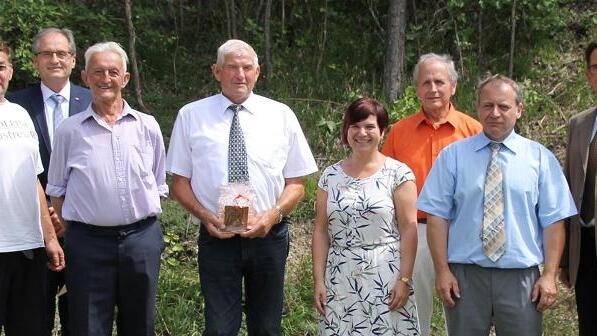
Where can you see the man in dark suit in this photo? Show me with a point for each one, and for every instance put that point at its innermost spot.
(48, 103)
(579, 263)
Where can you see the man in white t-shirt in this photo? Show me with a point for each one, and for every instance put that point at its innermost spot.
(50, 102)
(25, 223)
(238, 137)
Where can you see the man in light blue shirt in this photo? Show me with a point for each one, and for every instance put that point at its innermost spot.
(496, 205)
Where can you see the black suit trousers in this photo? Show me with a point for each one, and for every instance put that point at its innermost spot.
(586, 284)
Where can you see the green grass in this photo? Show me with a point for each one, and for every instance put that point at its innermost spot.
(180, 305)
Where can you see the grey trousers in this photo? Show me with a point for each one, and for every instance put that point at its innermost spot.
(494, 295)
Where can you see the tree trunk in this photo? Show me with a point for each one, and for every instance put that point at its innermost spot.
(480, 58)
(283, 24)
(181, 20)
(268, 40)
(459, 48)
(133, 55)
(394, 64)
(323, 38)
(233, 19)
(512, 39)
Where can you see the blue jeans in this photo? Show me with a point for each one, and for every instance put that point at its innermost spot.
(260, 262)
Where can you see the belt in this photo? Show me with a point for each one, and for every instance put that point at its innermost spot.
(116, 230)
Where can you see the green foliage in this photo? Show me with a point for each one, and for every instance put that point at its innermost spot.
(299, 315)
(405, 105)
(19, 22)
(325, 54)
(180, 305)
(306, 209)
(179, 245)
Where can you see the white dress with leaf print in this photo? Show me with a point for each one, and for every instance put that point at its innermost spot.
(363, 261)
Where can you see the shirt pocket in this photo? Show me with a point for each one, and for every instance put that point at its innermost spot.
(147, 155)
(143, 153)
(523, 189)
(272, 154)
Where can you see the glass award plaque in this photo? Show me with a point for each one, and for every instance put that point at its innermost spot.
(236, 204)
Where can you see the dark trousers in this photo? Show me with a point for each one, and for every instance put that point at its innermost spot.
(260, 262)
(586, 284)
(110, 267)
(56, 281)
(22, 292)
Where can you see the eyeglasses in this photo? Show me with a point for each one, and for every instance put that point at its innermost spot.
(49, 54)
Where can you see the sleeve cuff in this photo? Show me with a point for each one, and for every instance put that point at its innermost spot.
(55, 191)
(163, 190)
(179, 171)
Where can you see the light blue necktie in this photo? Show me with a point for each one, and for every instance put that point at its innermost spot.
(58, 113)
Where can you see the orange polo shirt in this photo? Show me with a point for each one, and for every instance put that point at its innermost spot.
(417, 143)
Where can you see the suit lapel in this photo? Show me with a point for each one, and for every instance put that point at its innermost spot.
(74, 106)
(585, 134)
(37, 105)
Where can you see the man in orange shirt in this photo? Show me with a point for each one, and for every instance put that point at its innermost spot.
(417, 141)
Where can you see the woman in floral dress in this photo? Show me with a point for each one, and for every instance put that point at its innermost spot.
(365, 235)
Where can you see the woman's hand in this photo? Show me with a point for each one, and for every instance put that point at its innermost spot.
(399, 295)
(320, 297)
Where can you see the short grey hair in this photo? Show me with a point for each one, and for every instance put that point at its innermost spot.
(103, 47)
(236, 47)
(72, 47)
(499, 79)
(446, 59)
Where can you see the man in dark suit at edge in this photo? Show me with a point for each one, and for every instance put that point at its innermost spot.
(48, 103)
(579, 263)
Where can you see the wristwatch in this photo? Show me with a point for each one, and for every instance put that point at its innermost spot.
(406, 280)
(280, 213)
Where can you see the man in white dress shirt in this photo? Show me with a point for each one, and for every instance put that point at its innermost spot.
(240, 137)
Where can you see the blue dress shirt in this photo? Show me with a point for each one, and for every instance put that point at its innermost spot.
(535, 196)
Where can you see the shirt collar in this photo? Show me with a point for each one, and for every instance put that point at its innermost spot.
(594, 126)
(451, 118)
(126, 111)
(249, 104)
(46, 92)
(512, 142)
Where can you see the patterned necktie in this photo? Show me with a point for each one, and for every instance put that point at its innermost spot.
(58, 114)
(493, 233)
(238, 171)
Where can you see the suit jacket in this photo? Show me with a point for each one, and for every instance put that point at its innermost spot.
(577, 154)
(31, 99)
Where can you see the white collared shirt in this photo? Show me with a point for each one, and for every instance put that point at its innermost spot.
(49, 106)
(276, 147)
